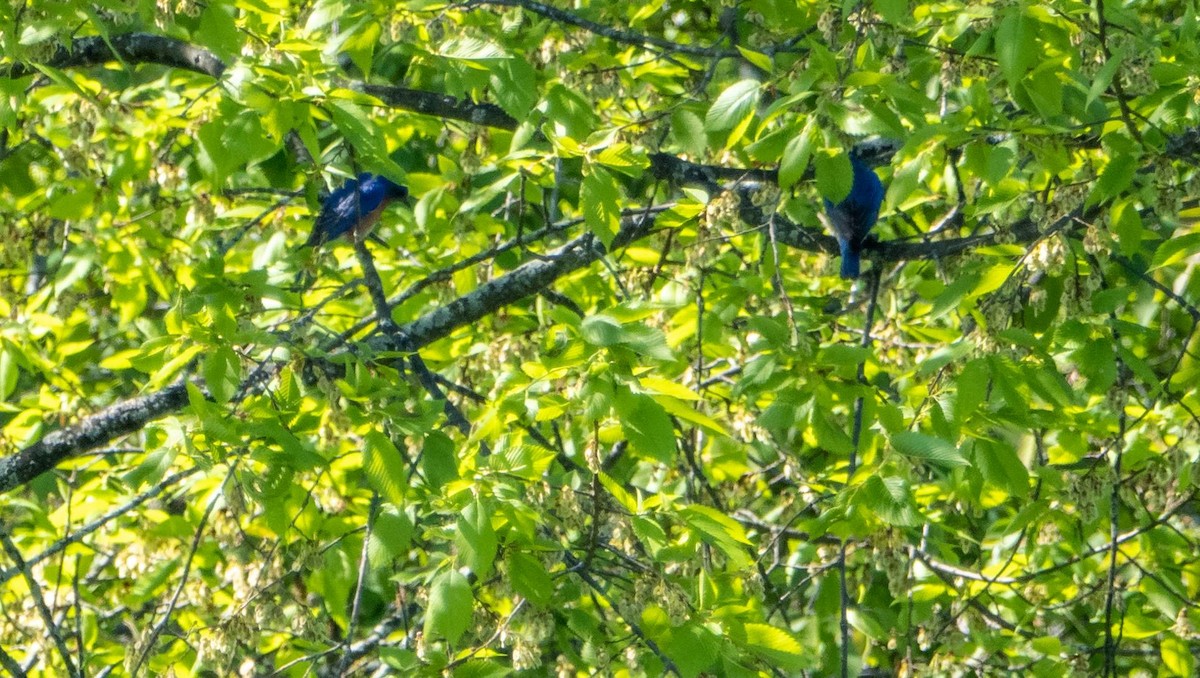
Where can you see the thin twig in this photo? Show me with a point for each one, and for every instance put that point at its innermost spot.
(35, 591)
(101, 521)
(364, 561)
(187, 568)
(575, 566)
(1110, 642)
(419, 368)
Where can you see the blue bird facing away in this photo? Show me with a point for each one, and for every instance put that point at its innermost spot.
(354, 207)
(852, 218)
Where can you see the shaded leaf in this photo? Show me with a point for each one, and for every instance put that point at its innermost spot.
(450, 606)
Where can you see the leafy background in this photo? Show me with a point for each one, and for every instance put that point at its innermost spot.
(598, 403)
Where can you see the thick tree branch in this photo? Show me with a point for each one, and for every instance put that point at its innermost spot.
(526, 280)
(133, 48)
(100, 428)
(441, 106)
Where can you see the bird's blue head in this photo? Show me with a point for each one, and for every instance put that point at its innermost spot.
(389, 189)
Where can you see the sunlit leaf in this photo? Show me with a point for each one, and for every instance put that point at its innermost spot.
(732, 106)
(929, 449)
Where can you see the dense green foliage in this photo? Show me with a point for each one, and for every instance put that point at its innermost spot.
(697, 452)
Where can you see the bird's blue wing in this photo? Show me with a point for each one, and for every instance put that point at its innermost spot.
(357, 202)
(331, 222)
(866, 193)
(343, 208)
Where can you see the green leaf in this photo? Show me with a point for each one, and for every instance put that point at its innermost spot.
(450, 606)
(479, 668)
(606, 331)
(1137, 625)
(245, 139)
(514, 83)
(843, 355)
(222, 373)
(600, 201)
(1127, 226)
(795, 157)
(646, 341)
(1050, 646)
(777, 646)
(73, 201)
(297, 454)
(572, 114)
(929, 449)
(601, 330)
(829, 434)
(391, 536)
(1116, 176)
(891, 499)
(530, 578)
(834, 175)
(626, 500)
(972, 385)
(686, 413)
(334, 580)
(152, 582)
(1104, 75)
(649, 532)
(1176, 249)
(360, 43)
(1097, 362)
(658, 385)
(719, 530)
(469, 48)
(1016, 49)
(486, 194)
(647, 427)
(356, 127)
(759, 59)
(385, 468)
(692, 647)
(214, 158)
(893, 11)
(8, 373)
(438, 463)
(1000, 466)
(687, 130)
(523, 461)
(700, 515)
(1177, 656)
(1045, 90)
(733, 106)
(475, 539)
(623, 158)
(218, 32)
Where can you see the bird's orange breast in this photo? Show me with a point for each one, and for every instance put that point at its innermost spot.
(367, 222)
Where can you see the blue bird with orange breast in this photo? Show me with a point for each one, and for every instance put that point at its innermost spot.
(852, 218)
(354, 207)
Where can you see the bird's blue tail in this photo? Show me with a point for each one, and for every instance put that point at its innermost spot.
(850, 261)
